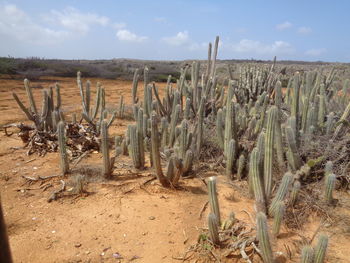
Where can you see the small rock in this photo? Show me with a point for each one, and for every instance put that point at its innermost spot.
(53, 231)
(151, 218)
(117, 255)
(77, 245)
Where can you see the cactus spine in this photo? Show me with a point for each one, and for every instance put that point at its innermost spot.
(213, 198)
(62, 148)
(321, 249)
(268, 155)
(263, 237)
(213, 229)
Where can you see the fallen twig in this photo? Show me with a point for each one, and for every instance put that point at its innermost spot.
(203, 209)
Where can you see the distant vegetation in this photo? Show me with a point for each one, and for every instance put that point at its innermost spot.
(34, 68)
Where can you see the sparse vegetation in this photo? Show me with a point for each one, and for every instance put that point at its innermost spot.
(270, 134)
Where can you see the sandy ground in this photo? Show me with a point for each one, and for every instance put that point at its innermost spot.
(125, 217)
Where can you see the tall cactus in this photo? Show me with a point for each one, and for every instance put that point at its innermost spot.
(269, 142)
(213, 229)
(281, 192)
(213, 198)
(256, 181)
(321, 249)
(107, 167)
(230, 158)
(155, 151)
(220, 128)
(263, 237)
(295, 104)
(62, 148)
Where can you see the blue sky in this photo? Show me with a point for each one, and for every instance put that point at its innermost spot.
(297, 30)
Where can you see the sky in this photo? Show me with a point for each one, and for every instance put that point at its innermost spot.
(309, 30)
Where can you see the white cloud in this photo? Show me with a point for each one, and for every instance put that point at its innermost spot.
(179, 39)
(76, 21)
(284, 26)
(304, 30)
(126, 35)
(314, 52)
(257, 47)
(17, 24)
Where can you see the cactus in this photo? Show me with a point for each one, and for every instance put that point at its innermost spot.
(328, 168)
(199, 127)
(278, 217)
(281, 192)
(107, 167)
(307, 254)
(213, 229)
(343, 118)
(155, 152)
(230, 126)
(292, 154)
(213, 198)
(263, 237)
(268, 155)
(330, 123)
(295, 105)
(135, 147)
(294, 193)
(30, 97)
(62, 148)
(321, 249)
(329, 187)
(240, 166)
(256, 182)
(230, 158)
(174, 120)
(220, 128)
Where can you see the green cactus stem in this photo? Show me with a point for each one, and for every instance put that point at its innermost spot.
(263, 237)
(62, 148)
(268, 155)
(213, 198)
(278, 217)
(213, 229)
(281, 192)
(307, 254)
(256, 182)
(321, 249)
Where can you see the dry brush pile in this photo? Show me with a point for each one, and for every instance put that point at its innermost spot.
(271, 136)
